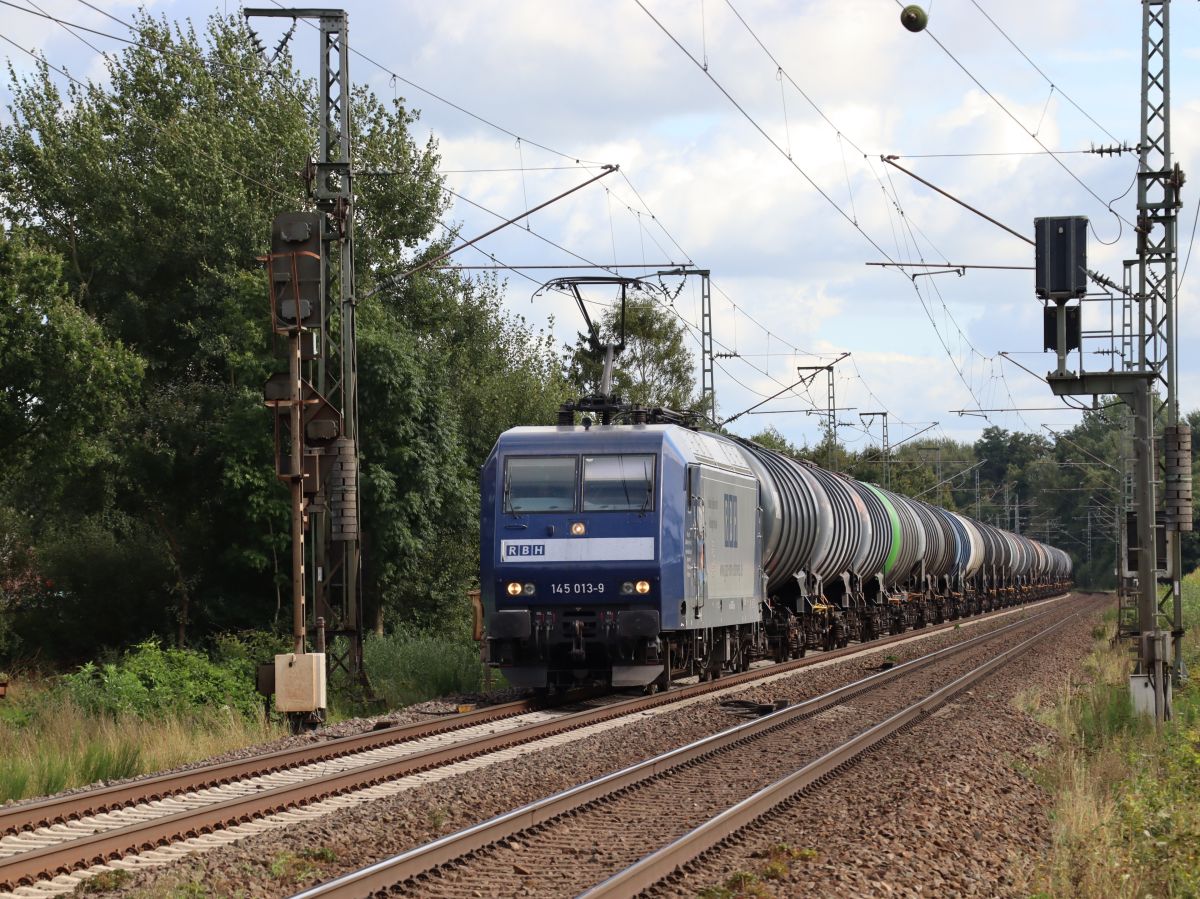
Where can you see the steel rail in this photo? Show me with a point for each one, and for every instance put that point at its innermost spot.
(666, 861)
(64, 857)
(46, 812)
(410, 864)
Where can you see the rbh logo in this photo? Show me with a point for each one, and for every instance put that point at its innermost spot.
(525, 549)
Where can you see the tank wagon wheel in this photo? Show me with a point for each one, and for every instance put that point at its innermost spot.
(829, 637)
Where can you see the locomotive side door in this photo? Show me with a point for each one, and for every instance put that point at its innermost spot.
(696, 575)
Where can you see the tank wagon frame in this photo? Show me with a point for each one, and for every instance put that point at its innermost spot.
(631, 554)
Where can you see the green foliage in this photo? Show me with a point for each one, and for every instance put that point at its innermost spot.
(52, 774)
(409, 667)
(149, 680)
(63, 381)
(772, 439)
(103, 762)
(654, 369)
(1126, 815)
(14, 778)
(738, 885)
(242, 652)
(48, 741)
(138, 477)
(301, 867)
(1105, 712)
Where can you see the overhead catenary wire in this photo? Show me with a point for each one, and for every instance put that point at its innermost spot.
(528, 141)
(1038, 69)
(74, 29)
(691, 327)
(739, 310)
(67, 24)
(840, 136)
(759, 128)
(462, 109)
(971, 75)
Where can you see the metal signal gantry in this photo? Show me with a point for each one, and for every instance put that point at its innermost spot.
(328, 340)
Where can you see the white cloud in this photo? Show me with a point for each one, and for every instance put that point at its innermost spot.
(600, 80)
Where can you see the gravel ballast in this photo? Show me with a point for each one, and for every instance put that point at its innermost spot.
(278, 862)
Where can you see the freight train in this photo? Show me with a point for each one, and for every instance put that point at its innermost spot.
(631, 553)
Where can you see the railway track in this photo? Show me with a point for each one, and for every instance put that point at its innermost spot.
(88, 830)
(592, 838)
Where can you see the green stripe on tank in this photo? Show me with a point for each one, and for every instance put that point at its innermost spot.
(894, 553)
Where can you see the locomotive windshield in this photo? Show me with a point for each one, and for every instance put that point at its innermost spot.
(618, 483)
(540, 484)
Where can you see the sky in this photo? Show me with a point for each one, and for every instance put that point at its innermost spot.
(748, 136)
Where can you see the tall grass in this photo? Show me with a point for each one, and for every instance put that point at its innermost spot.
(410, 667)
(49, 743)
(1126, 815)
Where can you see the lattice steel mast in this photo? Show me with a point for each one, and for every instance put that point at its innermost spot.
(333, 510)
(1159, 182)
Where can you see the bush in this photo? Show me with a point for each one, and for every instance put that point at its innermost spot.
(408, 667)
(151, 681)
(243, 651)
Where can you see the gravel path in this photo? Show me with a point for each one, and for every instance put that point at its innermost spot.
(279, 862)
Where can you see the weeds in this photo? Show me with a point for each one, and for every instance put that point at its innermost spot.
(739, 885)
(104, 882)
(407, 667)
(301, 867)
(60, 745)
(777, 866)
(1126, 816)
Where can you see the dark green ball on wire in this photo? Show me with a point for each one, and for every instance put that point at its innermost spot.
(914, 18)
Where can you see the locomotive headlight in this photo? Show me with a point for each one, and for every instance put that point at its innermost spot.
(642, 587)
(514, 589)
(528, 591)
(627, 588)
(578, 529)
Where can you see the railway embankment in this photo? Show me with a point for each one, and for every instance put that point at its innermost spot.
(1125, 800)
(952, 805)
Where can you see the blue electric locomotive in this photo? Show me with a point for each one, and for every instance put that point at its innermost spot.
(597, 540)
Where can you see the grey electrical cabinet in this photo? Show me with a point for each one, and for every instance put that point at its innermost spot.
(1061, 257)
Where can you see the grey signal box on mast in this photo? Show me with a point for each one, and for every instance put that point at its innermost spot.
(1060, 263)
(297, 270)
(1061, 274)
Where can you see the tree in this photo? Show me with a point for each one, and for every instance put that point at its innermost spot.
(655, 369)
(65, 386)
(142, 206)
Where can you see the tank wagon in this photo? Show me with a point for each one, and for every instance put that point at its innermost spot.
(629, 554)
